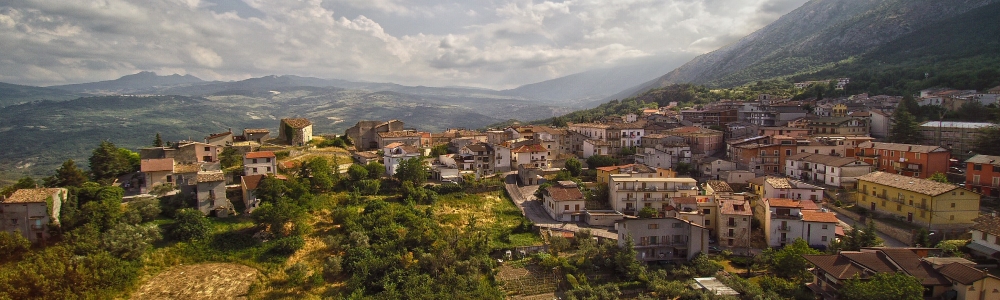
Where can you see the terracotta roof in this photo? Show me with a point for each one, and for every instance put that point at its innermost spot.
(902, 147)
(298, 123)
(211, 176)
(836, 265)
(913, 265)
(719, 186)
(984, 159)
(778, 182)
(559, 193)
(988, 224)
(31, 195)
(252, 181)
(783, 202)
(876, 261)
(827, 160)
(529, 148)
(479, 147)
(734, 207)
(816, 216)
(156, 165)
(255, 130)
(259, 154)
(394, 145)
(808, 205)
(962, 273)
(218, 135)
(923, 186)
(693, 130)
(398, 134)
(366, 154)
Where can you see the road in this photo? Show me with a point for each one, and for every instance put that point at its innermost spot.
(532, 209)
(889, 241)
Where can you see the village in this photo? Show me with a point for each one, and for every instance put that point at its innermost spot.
(731, 177)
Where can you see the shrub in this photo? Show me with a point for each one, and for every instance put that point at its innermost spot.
(447, 188)
(287, 245)
(297, 273)
(12, 244)
(190, 225)
(332, 266)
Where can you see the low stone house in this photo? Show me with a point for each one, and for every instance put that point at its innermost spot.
(295, 131)
(29, 212)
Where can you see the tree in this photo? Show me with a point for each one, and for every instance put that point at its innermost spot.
(597, 161)
(413, 170)
(106, 163)
(375, 169)
(277, 215)
(67, 175)
(684, 168)
(904, 128)
(884, 285)
(648, 212)
(189, 224)
(158, 142)
(856, 238)
(318, 173)
(13, 244)
(357, 173)
(574, 167)
(789, 263)
(134, 162)
(439, 150)
(129, 241)
(939, 177)
(147, 209)
(230, 158)
(987, 140)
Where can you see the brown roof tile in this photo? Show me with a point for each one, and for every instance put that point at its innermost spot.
(923, 186)
(559, 193)
(783, 202)
(255, 130)
(297, 123)
(529, 148)
(962, 273)
(398, 134)
(816, 216)
(719, 186)
(988, 224)
(259, 154)
(252, 181)
(902, 147)
(218, 135)
(734, 207)
(156, 165)
(836, 265)
(211, 176)
(31, 195)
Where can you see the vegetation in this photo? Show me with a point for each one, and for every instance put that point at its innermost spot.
(107, 162)
(597, 161)
(857, 238)
(412, 170)
(574, 167)
(939, 177)
(884, 285)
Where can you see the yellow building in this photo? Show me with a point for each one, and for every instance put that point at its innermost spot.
(922, 202)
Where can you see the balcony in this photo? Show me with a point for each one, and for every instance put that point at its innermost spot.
(920, 206)
(37, 227)
(784, 228)
(898, 200)
(783, 239)
(820, 171)
(731, 224)
(786, 217)
(653, 199)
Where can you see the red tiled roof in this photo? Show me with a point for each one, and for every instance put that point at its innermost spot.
(259, 154)
(836, 265)
(218, 135)
(529, 148)
(156, 165)
(783, 202)
(962, 273)
(252, 181)
(815, 216)
(559, 193)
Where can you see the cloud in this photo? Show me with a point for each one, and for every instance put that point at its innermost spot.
(487, 43)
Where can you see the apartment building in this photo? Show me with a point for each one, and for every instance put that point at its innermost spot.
(663, 239)
(923, 202)
(982, 175)
(918, 161)
(785, 220)
(629, 194)
(826, 169)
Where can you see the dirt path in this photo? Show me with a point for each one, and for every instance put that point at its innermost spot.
(201, 281)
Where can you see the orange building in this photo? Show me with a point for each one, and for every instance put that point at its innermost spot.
(982, 175)
(918, 161)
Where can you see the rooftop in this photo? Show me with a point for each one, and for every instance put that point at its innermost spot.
(252, 181)
(922, 186)
(560, 193)
(984, 159)
(902, 147)
(987, 223)
(259, 154)
(953, 124)
(816, 216)
(529, 148)
(32, 195)
(734, 207)
(719, 186)
(211, 176)
(398, 134)
(255, 130)
(297, 123)
(156, 165)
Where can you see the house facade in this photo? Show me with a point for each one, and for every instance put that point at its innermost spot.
(263, 162)
(663, 239)
(957, 136)
(29, 212)
(830, 170)
(629, 194)
(156, 171)
(918, 161)
(733, 224)
(248, 184)
(923, 202)
(564, 202)
(785, 220)
(982, 175)
(396, 153)
(365, 133)
(295, 131)
(985, 236)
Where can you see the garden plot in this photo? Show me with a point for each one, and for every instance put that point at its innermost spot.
(200, 281)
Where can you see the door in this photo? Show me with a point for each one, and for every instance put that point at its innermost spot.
(873, 205)
(909, 217)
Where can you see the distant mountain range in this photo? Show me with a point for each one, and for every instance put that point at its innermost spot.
(135, 83)
(811, 37)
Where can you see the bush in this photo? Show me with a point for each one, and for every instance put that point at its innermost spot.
(446, 188)
(287, 245)
(332, 266)
(147, 209)
(297, 273)
(190, 225)
(12, 244)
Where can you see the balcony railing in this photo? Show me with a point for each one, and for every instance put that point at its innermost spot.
(37, 227)
(920, 206)
(788, 217)
(654, 199)
(784, 228)
(783, 239)
(731, 224)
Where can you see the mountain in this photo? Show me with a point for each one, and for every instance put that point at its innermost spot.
(135, 83)
(11, 94)
(582, 89)
(818, 33)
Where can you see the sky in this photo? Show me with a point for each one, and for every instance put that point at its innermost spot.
(481, 43)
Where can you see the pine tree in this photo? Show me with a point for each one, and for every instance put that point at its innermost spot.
(69, 175)
(904, 128)
(158, 142)
(107, 162)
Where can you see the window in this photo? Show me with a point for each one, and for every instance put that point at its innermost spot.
(653, 226)
(269, 169)
(678, 225)
(951, 217)
(255, 170)
(254, 160)
(899, 207)
(975, 179)
(788, 152)
(996, 168)
(576, 207)
(984, 236)
(996, 240)
(208, 148)
(708, 222)
(977, 167)
(883, 203)
(170, 178)
(953, 205)
(707, 211)
(825, 226)
(267, 159)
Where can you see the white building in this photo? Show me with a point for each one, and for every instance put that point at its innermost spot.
(787, 220)
(256, 163)
(830, 170)
(629, 194)
(663, 239)
(881, 124)
(564, 202)
(596, 147)
(664, 156)
(396, 153)
(713, 167)
(777, 187)
(985, 236)
(533, 154)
